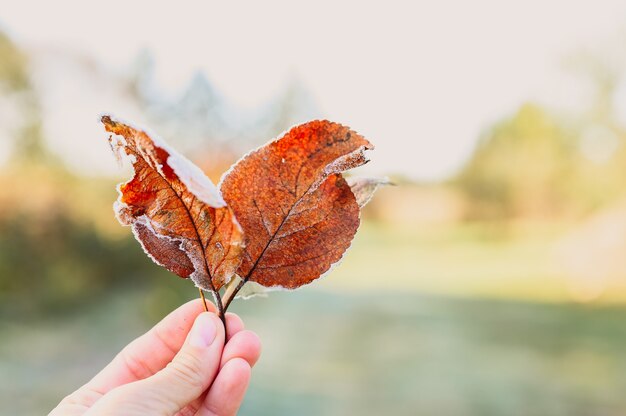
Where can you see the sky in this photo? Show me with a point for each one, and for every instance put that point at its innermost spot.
(420, 79)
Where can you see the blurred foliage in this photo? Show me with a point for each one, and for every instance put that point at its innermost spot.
(55, 254)
(13, 66)
(520, 168)
(538, 166)
(52, 257)
(16, 87)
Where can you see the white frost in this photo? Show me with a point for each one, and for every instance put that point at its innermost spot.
(195, 180)
(190, 175)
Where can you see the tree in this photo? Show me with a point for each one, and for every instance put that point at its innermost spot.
(16, 89)
(519, 168)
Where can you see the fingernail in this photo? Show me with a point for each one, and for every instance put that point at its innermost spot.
(203, 331)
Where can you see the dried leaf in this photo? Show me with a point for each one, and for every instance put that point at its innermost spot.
(175, 211)
(297, 212)
(364, 188)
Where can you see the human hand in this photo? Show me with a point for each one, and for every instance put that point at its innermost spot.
(180, 367)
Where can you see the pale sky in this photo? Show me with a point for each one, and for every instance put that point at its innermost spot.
(420, 79)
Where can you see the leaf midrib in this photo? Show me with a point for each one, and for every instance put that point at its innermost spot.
(188, 211)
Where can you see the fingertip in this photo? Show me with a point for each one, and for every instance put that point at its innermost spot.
(203, 332)
(245, 345)
(254, 345)
(234, 376)
(234, 324)
(227, 392)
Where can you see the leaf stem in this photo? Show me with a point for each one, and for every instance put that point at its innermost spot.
(221, 311)
(228, 297)
(206, 308)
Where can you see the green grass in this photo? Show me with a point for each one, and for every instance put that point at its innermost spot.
(464, 260)
(336, 354)
(430, 321)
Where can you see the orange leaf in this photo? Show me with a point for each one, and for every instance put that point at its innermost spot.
(175, 211)
(297, 212)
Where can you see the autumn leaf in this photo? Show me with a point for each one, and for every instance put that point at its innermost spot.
(288, 200)
(297, 211)
(175, 212)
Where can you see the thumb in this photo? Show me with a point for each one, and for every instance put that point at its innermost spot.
(195, 366)
(190, 373)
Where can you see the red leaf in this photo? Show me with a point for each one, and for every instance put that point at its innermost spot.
(297, 212)
(175, 211)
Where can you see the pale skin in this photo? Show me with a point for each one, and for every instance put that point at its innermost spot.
(180, 367)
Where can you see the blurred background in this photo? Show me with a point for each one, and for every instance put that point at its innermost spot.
(490, 281)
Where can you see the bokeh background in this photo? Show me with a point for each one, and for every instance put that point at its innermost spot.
(490, 281)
